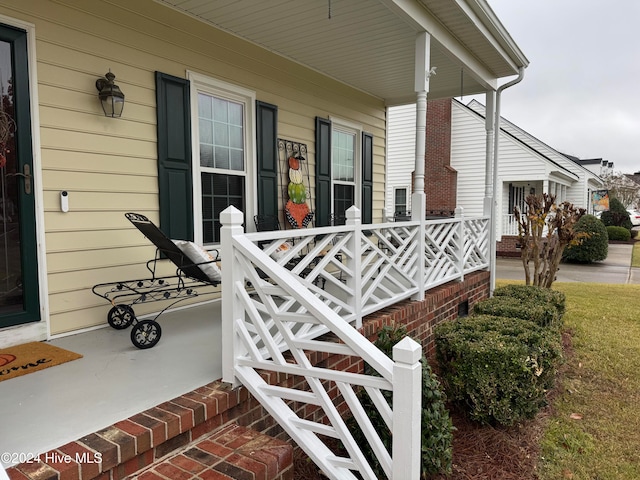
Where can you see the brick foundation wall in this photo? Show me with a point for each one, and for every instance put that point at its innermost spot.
(509, 246)
(144, 439)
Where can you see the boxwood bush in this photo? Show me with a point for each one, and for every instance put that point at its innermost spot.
(437, 427)
(497, 369)
(594, 247)
(543, 313)
(533, 293)
(617, 215)
(618, 233)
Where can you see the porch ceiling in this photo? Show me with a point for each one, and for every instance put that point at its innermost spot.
(370, 44)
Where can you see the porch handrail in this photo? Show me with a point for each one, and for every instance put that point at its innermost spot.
(278, 310)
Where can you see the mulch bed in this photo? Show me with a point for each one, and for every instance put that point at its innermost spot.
(482, 452)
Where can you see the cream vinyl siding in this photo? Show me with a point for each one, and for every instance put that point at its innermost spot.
(401, 151)
(109, 166)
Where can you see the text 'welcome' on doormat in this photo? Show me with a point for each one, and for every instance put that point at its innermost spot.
(31, 357)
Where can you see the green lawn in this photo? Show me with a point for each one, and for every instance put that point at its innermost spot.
(635, 259)
(594, 430)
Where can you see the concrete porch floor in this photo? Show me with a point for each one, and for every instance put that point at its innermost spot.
(114, 380)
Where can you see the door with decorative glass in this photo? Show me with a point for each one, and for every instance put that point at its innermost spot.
(19, 302)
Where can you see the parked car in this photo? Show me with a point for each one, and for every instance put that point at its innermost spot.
(634, 216)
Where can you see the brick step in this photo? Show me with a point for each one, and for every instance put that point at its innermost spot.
(129, 446)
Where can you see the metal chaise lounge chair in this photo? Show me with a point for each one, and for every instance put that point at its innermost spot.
(195, 268)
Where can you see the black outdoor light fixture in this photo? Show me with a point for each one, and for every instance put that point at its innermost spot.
(110, 96)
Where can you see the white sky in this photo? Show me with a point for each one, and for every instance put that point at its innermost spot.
(579, 93)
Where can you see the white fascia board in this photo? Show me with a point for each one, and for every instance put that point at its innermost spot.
(494, 30)
(415, 15)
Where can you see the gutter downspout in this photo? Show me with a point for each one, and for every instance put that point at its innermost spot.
(496, 140)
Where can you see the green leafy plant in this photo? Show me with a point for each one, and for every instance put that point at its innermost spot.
(437, 428)
(594, 247)
(618, 233)
(497, 369)
(617, 215)
(543, 314)
(533, 293)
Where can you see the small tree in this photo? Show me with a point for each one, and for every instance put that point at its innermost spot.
(544, 231)
(617, 215)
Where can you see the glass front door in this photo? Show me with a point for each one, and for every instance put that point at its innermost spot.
(19, 302)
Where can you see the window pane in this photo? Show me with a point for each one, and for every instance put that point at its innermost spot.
(236, 160)
(204, 106)
(218, 192)
(343, 154)
(222, 157)
(235, 137)
(235, 114)
(206, 131)
(220, 110)
(221, 134)
(343, 198)
(206, 155)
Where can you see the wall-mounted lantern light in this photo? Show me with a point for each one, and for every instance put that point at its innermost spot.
(110, 96)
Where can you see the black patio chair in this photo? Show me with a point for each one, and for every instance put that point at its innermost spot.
(195, 268)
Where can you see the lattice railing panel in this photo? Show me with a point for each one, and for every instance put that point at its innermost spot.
(476, 244)
(442, 240)
(277, 327)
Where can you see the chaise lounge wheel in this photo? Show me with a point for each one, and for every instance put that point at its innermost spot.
(146, 334)
(121, 316)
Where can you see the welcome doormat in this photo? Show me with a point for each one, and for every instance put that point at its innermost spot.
(31, 357)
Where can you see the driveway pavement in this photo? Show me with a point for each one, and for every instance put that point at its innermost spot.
(616, 268)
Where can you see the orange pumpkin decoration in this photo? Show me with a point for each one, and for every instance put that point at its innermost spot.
(294, 163)
(298, 214)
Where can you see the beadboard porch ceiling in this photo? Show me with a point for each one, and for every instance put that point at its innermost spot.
(370, 44)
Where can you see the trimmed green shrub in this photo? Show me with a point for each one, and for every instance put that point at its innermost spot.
(497, 369)
(543, 314)
(437, 427)
(618, 233)
(595, 245)
(617, 215)
(533, 293)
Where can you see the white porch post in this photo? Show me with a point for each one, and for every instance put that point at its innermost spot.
(459, 214)
(354, 282)
(491, 174)
(489, 125)
(231, 219)
(407, 410)
(418, 198)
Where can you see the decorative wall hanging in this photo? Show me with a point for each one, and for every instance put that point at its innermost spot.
(295, 171)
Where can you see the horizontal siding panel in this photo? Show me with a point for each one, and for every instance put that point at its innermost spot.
(100, 182)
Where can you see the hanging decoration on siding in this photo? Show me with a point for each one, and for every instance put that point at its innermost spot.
(293, 157)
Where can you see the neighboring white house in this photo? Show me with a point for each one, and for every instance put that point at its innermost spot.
(526, 165)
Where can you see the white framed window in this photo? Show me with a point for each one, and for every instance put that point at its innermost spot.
(223, 133)
(400, 200)
(346, 159)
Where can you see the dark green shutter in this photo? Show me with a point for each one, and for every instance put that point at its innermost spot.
(323, 172)
(174, 156)
(367, 178)
(267, 158)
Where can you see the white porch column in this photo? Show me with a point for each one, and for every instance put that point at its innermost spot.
(354, 282)
(418, 197)
(489, 126)
(545, 186)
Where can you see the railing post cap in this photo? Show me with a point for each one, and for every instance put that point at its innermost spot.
(459, 212)
(407, 350)
(353, 212)
(231, 216)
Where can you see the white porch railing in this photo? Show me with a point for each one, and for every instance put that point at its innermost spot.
(275, 317)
